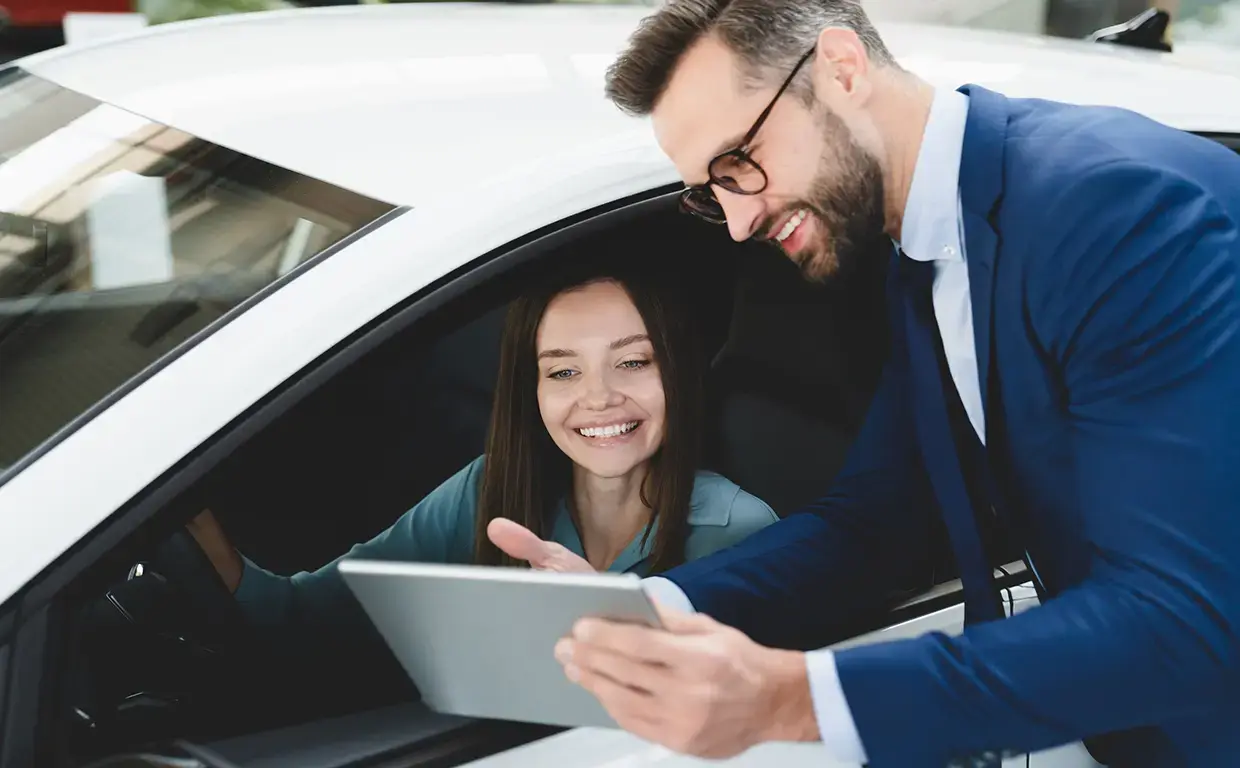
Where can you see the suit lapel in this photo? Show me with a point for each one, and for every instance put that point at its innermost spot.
(981, 189)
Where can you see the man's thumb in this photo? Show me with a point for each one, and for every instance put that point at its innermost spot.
(518, 541)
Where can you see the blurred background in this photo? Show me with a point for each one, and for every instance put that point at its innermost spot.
(27, 26)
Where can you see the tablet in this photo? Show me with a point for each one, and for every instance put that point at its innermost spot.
(480, 641)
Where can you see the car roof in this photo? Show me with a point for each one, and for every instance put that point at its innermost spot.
(411, 102)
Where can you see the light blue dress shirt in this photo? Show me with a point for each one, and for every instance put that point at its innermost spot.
(932, 231)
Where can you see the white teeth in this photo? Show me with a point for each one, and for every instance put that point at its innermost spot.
(791, 226)
(611, 430)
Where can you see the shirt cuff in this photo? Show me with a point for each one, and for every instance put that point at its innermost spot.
(835, 720)
(667, 594)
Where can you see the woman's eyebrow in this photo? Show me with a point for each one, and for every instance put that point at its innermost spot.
(627, 340)
(617, 344)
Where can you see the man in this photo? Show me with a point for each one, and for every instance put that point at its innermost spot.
(1065, 310)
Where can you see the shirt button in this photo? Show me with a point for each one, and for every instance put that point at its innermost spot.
(949, 251)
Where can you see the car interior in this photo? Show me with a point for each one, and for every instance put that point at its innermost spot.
(155, 648)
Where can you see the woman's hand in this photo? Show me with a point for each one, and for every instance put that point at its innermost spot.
(521, 543)
(223, 555)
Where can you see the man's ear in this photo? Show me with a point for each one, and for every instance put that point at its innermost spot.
(841, 67)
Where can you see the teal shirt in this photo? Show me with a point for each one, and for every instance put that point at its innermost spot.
(440, 529)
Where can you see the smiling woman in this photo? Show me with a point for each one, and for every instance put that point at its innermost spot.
(610, 371)
(592, 446)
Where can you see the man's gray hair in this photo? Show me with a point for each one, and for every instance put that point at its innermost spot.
(768, 36)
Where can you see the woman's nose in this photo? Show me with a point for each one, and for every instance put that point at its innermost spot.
(600, 393)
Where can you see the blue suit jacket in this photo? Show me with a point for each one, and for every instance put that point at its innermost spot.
(1104, 265)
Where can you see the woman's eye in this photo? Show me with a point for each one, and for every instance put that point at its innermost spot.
(564, 374)
(634, 365)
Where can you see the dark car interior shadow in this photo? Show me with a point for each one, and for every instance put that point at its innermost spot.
(794, 365)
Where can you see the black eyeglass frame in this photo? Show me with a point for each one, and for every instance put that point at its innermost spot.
(700, 199)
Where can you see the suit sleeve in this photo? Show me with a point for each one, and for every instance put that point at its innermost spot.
(810, 578)
(1140, 320)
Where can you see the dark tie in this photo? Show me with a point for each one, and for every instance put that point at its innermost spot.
(949, 445)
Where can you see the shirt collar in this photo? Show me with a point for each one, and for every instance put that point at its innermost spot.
(701, 513)
(931, 229)
(563, 532)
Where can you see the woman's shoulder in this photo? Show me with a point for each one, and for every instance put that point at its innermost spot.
(451, 507)
(718, 502)
(466, 481)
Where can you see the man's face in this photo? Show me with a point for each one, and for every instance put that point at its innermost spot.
(823, 204)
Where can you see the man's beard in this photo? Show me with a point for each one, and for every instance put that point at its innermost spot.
(846, 200)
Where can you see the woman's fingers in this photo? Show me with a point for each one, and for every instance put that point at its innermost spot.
(520, 542)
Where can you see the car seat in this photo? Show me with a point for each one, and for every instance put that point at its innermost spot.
(791, 385)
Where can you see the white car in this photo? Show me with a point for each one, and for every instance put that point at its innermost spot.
(260, 262)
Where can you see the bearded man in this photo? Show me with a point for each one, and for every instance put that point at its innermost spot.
(1064, 299)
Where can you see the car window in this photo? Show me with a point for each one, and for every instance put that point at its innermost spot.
(121, 239)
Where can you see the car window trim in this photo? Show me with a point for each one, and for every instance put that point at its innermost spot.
(180, 349)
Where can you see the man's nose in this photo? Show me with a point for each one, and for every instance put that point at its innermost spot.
(744, 213)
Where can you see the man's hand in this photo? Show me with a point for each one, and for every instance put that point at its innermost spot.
(521, 543)
(696, 687)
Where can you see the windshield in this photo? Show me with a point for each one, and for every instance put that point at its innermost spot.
(121, 239)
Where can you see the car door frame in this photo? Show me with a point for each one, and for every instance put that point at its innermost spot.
(306, 316)
(342, 337)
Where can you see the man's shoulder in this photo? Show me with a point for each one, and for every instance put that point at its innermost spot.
(1078, 154)
(1097, 200)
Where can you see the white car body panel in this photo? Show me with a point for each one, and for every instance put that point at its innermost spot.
(491, 122)
(410, 103)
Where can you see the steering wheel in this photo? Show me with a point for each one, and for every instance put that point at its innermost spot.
(157, 646)
(214, 619)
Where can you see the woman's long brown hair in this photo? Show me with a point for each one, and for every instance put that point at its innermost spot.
(525, 475)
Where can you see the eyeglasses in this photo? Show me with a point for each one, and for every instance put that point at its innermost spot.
(734, 170)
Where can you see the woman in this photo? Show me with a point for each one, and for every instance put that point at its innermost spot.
(593, 445)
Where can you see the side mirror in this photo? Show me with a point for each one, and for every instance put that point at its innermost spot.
(1147, 29)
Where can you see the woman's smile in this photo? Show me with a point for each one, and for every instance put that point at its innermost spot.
(609, 434)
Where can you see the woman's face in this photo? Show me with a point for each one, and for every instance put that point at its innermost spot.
(599, 389)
